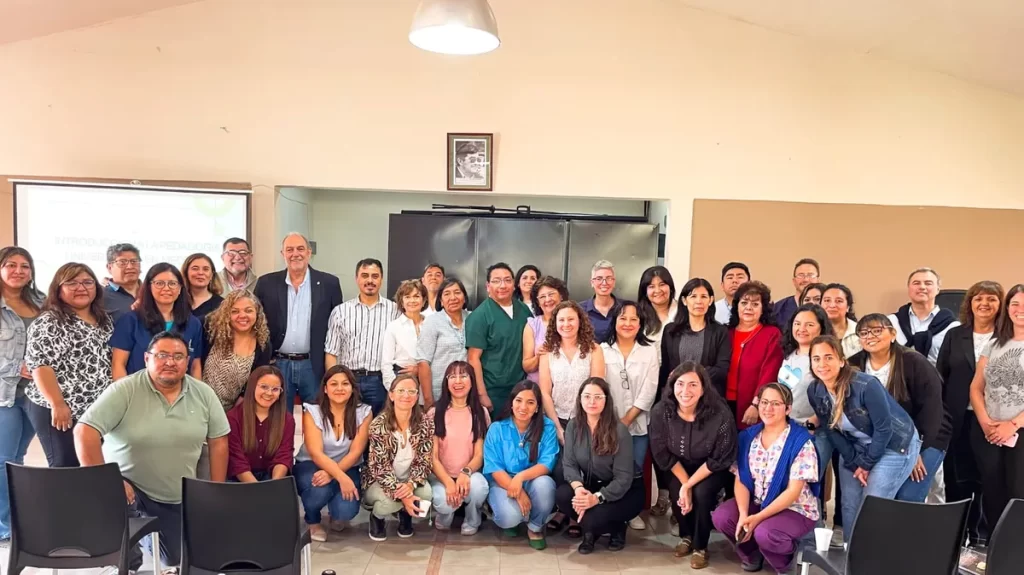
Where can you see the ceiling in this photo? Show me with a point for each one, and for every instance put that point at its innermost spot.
(24, 19)
(977, 40)
(981, 41)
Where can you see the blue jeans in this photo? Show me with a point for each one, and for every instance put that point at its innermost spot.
(640, 443)
(917, 491)
(314, 499)
(15, 434)
(478, 490)
(298, 378)
(372, 392)
(506, 510)
(884, 480)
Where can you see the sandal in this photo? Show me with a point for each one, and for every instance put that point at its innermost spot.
(574, 531)
(699, 559)
(556, 525)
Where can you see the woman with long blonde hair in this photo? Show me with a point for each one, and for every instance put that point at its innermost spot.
(875, 437)
(237, 342)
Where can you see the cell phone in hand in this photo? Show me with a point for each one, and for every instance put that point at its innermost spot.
(1012, 441)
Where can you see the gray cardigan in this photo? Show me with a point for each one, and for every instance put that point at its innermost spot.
(616, 471)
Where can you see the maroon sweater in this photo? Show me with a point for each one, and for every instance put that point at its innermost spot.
(240, 462)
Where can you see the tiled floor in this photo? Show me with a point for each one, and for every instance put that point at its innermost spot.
(488, 552)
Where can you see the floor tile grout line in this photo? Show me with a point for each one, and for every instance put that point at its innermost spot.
(434, 563)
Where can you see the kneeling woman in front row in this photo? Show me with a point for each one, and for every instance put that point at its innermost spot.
(603, 486)
(262, 438)
(519, 454)
(399, 460)
(776, 490)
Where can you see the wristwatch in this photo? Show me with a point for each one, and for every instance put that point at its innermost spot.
(467, 471)
(600, 497)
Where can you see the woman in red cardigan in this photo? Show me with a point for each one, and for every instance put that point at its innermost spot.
(756, 350)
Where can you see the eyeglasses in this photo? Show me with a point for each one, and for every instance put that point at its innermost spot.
(502, 281)
(123, 263)
(73, 284)
(238, 253)
(271, 389)
(772, 404)
(875, 331)
(806, 276)
(625, 378)
(458, 376)
(172, 357)
(407, 392)
(592, 397)
(161, 284)
(603, 280)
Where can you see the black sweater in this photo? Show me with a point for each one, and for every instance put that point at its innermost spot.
(925, 405)
(715, 358)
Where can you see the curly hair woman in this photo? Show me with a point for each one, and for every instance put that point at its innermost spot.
(573, 355)
(237, 342)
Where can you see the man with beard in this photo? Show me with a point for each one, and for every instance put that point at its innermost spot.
(355, 334)
(297, 301)
(153, 424)
(237, 273)
(494, 338)
(433, 277)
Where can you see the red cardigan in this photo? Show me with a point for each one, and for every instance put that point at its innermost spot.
(760, 361)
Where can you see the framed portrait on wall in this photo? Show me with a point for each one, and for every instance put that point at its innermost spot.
(469, 162)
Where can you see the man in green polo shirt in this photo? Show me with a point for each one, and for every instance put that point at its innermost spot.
(153, 424)
(494, 337)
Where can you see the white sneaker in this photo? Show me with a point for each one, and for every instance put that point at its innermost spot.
(637, 523)
(317, 533)
(467, 530)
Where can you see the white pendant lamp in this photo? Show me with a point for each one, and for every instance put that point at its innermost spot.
(460, 27)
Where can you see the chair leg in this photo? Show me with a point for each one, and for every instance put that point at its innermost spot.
(307, 559)
(156, 553)
(805, 569)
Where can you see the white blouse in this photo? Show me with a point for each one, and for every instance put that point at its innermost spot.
(567, 375)
(633, 381)
(399, 348)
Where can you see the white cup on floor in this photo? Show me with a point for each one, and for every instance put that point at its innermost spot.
(822, 538)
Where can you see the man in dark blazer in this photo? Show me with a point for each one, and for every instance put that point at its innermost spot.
(298, 302)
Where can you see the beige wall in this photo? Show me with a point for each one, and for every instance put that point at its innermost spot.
(636, 99)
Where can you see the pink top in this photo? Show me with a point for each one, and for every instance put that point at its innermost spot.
(455, 450)
(540, 333)
(805, 468)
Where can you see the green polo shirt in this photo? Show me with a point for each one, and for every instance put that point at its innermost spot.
(156, 444)
(500, 337)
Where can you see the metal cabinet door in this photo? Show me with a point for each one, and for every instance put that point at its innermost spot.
(631, 248)
(517, 243)
(417, 240)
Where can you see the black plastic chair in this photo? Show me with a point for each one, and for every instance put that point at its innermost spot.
(898, 538)
(71, 518)
(243, 528)
(951, 299)
(1005, 553)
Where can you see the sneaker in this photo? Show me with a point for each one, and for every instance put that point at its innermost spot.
(837, 538)
(405, 530)
(338, 525)
(468, 530)
(754, 566)
(378, 528)
(317, 533)
(637, 523)
(442, 522)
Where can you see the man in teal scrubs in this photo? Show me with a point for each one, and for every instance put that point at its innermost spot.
(494, 337)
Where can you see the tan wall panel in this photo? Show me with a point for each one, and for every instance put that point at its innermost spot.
(870, 248)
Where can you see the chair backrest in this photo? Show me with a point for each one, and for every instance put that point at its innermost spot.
(1005, 553)
(899, 538)
(239, 526)
(68, 511)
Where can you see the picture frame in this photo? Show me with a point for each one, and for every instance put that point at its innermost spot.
(470, 161)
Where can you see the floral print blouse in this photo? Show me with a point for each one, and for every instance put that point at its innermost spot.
(383, 445)
(805, 468)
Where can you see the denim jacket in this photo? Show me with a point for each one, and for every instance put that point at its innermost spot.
(13, 338)
(870, 409)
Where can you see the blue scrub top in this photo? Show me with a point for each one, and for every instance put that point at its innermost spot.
(131, 335)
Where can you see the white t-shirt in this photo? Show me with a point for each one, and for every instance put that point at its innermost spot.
(980, 341)
(881, 374)
(403, 457)
(1004, 379)
(509, 309)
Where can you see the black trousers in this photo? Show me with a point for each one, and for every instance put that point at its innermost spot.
(608, 517)
(1002, 473)
(169, 525)
(963, 480)
(697, 523)
(59, 446)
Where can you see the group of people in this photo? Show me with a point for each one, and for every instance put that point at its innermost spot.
(533, 408)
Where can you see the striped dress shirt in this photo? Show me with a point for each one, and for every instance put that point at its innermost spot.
(355, 332)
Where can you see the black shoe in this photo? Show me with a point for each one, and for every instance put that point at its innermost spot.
(404, 525)
(378, 528)
(587, 545)
(617, 540)
(753, 566)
